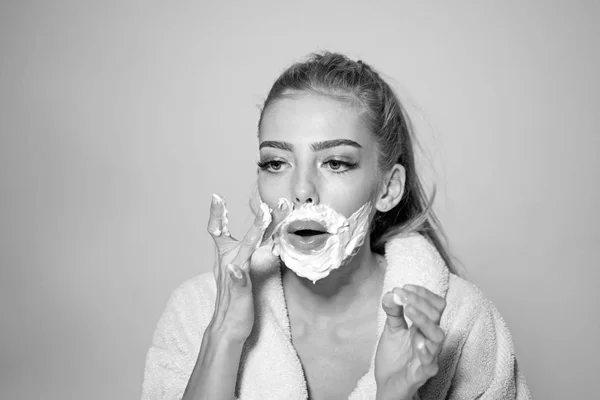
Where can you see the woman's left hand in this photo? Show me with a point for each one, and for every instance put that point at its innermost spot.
(407, 358)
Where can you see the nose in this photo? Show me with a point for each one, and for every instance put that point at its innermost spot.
(304, 190)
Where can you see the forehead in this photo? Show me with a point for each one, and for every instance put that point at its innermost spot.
(311, 118)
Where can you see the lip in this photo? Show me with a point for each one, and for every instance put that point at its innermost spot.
(306, 225)
(308, 243)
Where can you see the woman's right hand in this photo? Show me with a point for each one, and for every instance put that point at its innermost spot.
(233, 317)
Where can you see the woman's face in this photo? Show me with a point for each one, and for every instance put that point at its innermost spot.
(316, 149)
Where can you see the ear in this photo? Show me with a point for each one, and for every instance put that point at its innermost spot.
(392, 188)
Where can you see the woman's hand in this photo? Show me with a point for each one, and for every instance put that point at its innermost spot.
(215, 374)
(407, 358)
(234, 308)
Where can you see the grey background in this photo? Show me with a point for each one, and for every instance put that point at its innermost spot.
(118, 119)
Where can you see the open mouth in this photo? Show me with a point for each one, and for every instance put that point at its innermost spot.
(307, 235)
(306, 228)
(307, 232)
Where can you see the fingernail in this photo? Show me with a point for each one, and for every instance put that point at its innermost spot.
(403, 295)
(282, 205)
(398, 300)
(216, 199)
(234, 271)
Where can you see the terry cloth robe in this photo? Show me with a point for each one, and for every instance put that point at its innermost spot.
(476, 361)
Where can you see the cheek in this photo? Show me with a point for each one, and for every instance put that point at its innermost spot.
(263, 189)
(270, 190)
(349, 198)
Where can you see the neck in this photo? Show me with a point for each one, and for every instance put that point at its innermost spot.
(357, 282)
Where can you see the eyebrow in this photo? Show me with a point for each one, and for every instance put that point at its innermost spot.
(318, 146)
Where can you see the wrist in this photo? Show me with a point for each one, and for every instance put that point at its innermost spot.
(215, 343)
(215, 374)
(223, 337)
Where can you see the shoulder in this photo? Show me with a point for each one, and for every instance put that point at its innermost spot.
(478, 346)
(466, 305)
(474, 328)
(198, 290)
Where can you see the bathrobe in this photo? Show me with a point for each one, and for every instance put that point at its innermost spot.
(476, 360)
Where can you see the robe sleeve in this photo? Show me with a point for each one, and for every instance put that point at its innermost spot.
(487, 367)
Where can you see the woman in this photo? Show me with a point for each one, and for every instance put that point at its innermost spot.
(362, 300)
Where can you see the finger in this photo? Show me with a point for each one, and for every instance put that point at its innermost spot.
(419, 302)
(429, 366)
(254, 235)
(434, 348)
(217, 273)
(430, 370)
(283, 209)
(430, 329)
(255, 201)
(215, 221)
(437, 301)
(426, 356)
(395, 312)
(216, 268)
(416, 332)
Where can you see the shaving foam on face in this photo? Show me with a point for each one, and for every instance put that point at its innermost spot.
(346, 237)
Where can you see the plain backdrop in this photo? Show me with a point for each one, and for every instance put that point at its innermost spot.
(118, 119)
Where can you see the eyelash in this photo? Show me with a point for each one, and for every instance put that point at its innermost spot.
(348, 166)
(267, 164)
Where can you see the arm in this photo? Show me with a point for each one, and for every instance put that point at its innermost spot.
(215, 374)
(177, 366)
(174, 351)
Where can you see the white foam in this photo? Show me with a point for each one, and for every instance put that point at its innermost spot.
(224, 219)
(266, 214)
(347, 235)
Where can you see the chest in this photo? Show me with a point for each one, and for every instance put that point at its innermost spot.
(334, 358)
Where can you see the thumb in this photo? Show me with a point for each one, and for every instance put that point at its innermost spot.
(395, 312)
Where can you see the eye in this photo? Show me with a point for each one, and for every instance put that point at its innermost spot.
(335, 165)
(271, 165)
(339, 166)
(275, 165)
